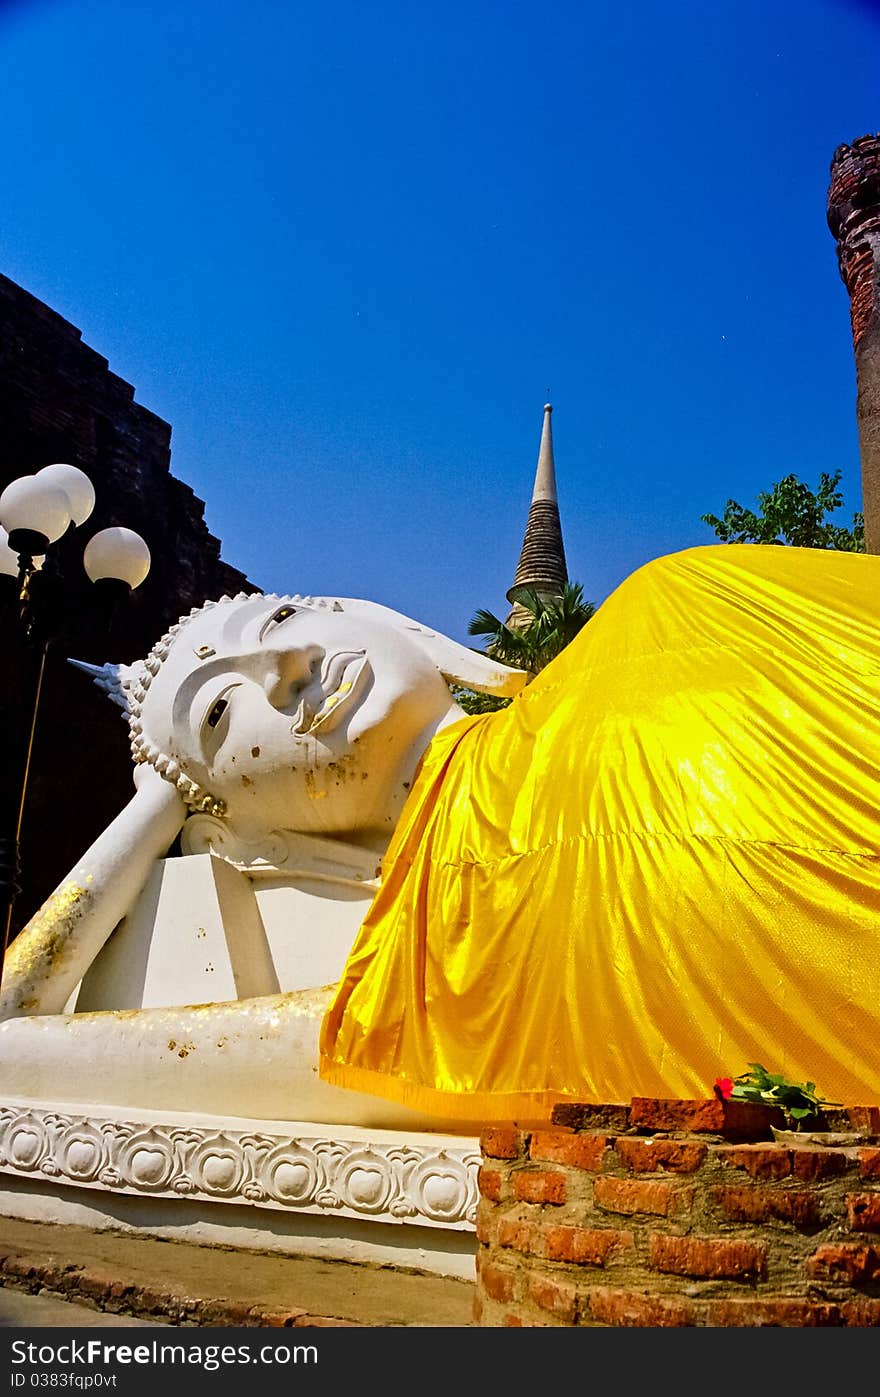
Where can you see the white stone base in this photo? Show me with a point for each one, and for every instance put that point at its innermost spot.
(293, 1187)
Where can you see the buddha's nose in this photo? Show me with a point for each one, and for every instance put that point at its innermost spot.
(289, 672)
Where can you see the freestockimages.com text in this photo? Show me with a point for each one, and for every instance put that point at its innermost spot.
(75, 1353)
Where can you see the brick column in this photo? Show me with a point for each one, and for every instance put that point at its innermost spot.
(854, 219)
(666, 1214)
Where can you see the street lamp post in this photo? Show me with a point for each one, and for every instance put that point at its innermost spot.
(36, 512)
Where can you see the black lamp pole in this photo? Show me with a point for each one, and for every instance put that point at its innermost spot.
(29, 655)
(116, 560)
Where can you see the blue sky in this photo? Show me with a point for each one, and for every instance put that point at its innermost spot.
(345, 249)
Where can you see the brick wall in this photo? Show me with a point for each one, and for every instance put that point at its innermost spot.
(854, 219)
(666, 1214)
(59, 401)
(853, 211)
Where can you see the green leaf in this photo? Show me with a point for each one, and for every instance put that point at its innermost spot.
(792, 513)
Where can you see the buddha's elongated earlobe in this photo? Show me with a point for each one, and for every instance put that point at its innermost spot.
(457, 663)
(470, 668)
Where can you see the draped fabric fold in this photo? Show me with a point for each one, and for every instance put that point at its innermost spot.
(661, 862)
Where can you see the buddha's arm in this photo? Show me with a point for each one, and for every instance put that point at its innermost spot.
(49, 957)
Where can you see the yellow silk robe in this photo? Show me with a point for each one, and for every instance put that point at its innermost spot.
(660, 863)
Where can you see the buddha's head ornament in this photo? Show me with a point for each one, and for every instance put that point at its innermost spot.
(299, 712)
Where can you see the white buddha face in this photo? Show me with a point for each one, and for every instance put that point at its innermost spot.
(297, 716)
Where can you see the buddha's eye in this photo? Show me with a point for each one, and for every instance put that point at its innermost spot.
(282, 614)
(217, 712)
(215, 723)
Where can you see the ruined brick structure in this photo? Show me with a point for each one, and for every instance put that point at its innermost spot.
(854, 219)
(671, 1214)
(59, 401)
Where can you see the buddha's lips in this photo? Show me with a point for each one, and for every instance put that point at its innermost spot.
(339, 685)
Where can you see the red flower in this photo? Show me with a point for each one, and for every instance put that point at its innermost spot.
(723, 1088)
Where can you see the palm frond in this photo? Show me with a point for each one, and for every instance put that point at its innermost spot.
(484, 623)
(554, 623)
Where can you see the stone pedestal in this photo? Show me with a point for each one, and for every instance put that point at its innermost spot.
(386, 1197)
(197, 1139)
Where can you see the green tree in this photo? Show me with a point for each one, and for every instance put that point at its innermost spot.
(792, 513)
(553, 624)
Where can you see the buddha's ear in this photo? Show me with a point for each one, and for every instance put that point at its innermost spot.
(472, 670)
(457, 663)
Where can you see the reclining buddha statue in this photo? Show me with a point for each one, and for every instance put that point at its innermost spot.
(658, 863)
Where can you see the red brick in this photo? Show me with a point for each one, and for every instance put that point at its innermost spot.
(154, 1300)
(637, 1309)
(844, 1261)
(501, 1142)
(234, 1312)
(866, 1118)
(54, 1275)
(513, 1232)
(486, 1219)
(539, 1186)
(818, 1164)
(96, 1284)
(732, 1119)
(67, 1279)
(863, 1211)
(279, 1317)
(653, 1113)
(646, 1156)
(586, 1245)
(578, 1151)
(756, 1204)
(869, 1164)
(489, 1182)
(862, 1314)
(582, 1116)
(19, 1266)
(761, 1161)
(498, 1283)
(560, 1298)
(641, 1196)
(763, 1313)
(716, 1257)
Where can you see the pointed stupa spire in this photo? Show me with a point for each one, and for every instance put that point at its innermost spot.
(541, 565)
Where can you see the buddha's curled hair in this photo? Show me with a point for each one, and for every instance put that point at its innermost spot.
(127, 686)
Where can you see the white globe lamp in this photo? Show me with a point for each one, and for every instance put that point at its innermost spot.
(117, 554)
(76, 485)
(34, 514)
